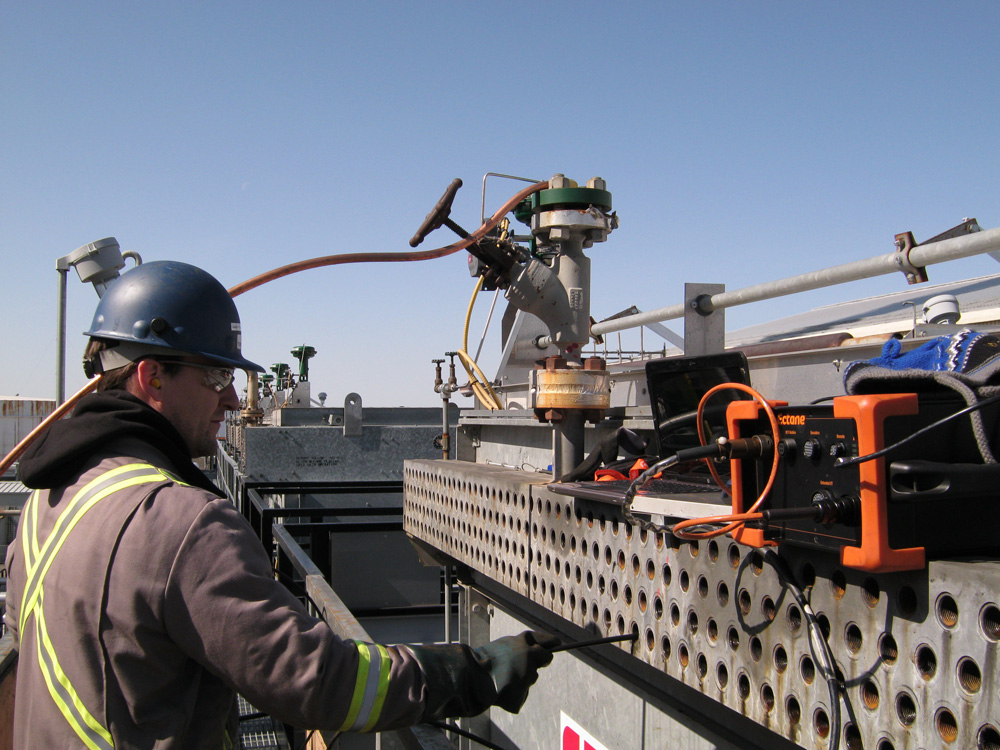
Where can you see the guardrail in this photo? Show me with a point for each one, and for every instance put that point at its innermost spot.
(324, 603)
(916, 258)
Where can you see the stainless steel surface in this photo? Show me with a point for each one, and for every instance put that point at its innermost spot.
(704, 330)
(917, 651)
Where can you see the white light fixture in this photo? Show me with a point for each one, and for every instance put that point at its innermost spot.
(942, 309)
(97, 263)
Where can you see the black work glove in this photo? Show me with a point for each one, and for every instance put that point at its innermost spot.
(464, 681)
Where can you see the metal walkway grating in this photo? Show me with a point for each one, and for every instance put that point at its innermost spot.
(259, 732)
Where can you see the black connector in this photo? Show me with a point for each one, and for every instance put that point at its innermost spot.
(826, 510)
(756, 447)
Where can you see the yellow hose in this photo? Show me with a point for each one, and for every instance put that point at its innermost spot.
(479, 382)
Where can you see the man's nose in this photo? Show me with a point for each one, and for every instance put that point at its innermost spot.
(230, 401)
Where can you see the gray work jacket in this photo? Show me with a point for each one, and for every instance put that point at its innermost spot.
(161, 605)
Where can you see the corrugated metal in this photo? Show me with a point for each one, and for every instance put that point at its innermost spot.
(19, 416)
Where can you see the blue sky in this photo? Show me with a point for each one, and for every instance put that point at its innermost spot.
(742, 142)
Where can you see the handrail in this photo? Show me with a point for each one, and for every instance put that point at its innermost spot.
(335, 613)
(965, 246)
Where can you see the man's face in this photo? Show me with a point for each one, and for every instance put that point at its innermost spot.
(195, 408)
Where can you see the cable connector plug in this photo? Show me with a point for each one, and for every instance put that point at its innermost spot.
(823, 509)
(755, 447)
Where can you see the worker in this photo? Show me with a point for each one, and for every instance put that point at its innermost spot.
(141, 600)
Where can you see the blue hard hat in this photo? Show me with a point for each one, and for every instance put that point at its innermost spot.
(174, 306)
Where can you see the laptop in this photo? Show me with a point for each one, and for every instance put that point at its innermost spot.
(675, 387)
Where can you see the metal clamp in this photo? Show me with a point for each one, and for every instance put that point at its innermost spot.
(904, 244)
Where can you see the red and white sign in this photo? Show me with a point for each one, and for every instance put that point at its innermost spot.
(574, 737)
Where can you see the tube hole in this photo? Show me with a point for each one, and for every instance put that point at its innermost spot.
(852, 738)
(793, 710)
(989, 621)
(926, 662)
(853, 638)
(838, 584)
(743, 686)
(722, 594)
(989, 738)
(767, 698)
(821, 723)
(869, 695)
(807, 669)
(888, 649)
(906, 709)
(947, 725)
(780, 659)
(947, 611)
(722, 675)
(969, 675)
(870, 592)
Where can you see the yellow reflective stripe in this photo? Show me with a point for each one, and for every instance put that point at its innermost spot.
(86, 727)
(87, 488)
(381, 688)
(370, 687)
(37, 563)
(364, 661)
(84, 500)
(29, 529)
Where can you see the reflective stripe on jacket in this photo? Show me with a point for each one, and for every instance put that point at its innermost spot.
(38, 557)
(161, 605)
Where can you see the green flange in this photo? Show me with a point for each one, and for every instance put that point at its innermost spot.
(572, 197)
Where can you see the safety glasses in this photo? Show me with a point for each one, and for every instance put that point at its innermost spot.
(217, 378)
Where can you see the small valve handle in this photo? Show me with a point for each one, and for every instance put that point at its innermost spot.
(452, 378)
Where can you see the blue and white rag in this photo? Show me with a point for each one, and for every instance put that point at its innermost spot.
(966, 362)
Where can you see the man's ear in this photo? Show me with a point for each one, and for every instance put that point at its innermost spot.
(145, 382)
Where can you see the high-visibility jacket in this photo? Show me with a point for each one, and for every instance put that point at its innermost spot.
(142, 605)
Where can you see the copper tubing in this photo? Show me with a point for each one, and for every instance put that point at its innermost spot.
(333, 260)
(277, 273)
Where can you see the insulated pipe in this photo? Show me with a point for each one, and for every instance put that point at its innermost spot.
(966, 246)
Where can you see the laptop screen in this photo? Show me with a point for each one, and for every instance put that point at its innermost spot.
(676, 386)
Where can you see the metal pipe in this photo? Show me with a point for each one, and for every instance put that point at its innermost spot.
(966, 246)
(61, 338)
(447, 603)
(567, 442)
(445, 436)
(595, 642)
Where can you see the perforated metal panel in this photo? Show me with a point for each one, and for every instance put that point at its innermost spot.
(916, 654)
(472, 513)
